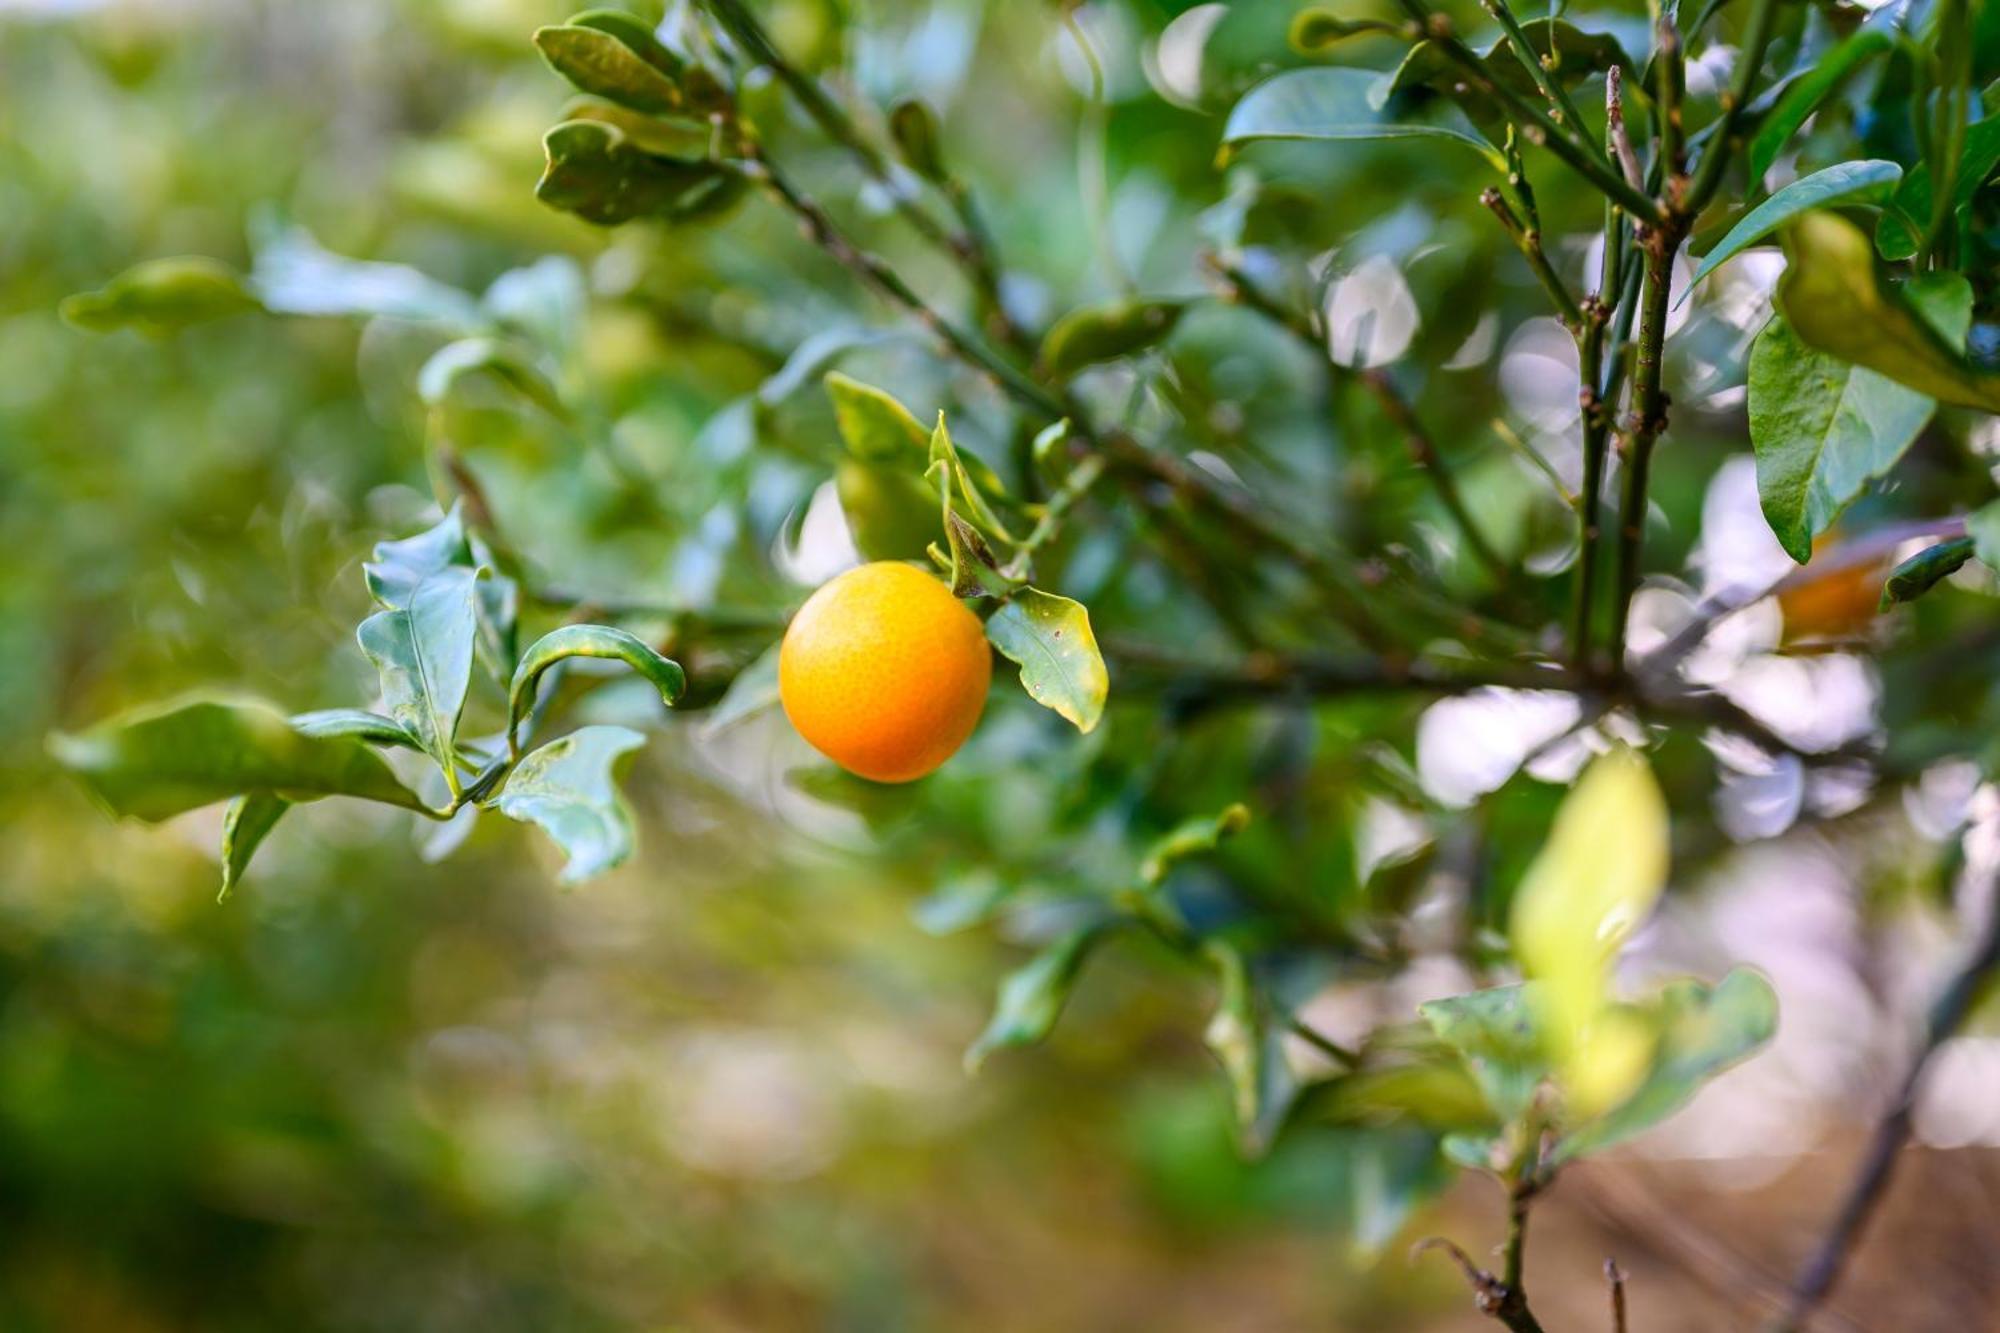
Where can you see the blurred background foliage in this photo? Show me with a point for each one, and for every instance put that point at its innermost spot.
(721, 1088)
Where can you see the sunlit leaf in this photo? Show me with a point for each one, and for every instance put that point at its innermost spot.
(1835, 299)
(1032, 997)
(873, 425)
(294, 275)
(1869, 182)
(1702, 1031)
(1595, 879)
(598, 641)
(1824, 429)
(163, 296)
(248, 821)
(1049, 638)
(596, 172)
(614, 55)
(569, 788)
(422, 651)
(159, 762)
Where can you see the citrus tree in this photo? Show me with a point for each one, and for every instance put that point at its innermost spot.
(1343, 639)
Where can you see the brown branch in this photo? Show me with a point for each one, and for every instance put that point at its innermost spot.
(1616, 1281)
(1821, 1272)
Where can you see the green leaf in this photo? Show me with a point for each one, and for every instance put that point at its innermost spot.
(614, 55)
(1925, 570)
(422, 651)
(496, 357)
(1899, 230)
(1049, 638)
(1824, 429)
(1870, 182)
(294, 275)
(1703, 1030)
(1032, 997)
(913, 128)
(1251, 1050)
(156, 763)
(600, 641)
(754, 691)
(249, 819)
(891, 513)
(1983, 526)
(1332, 103)
(399, 566)
(1496, 1034)
(1836, 299)
(596, 172)
(569, 788)
(1804, 95)
(355, 722)
(1595, 879)
(873, 425)
(970, 477)
(162, 296)
(1191, 837)
(1104, 333)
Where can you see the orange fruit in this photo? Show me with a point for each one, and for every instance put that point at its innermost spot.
(1835, 604)
(884, 672)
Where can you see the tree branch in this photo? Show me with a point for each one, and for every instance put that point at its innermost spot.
(1818, 1276)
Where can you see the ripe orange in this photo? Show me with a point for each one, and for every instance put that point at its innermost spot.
(884, 672)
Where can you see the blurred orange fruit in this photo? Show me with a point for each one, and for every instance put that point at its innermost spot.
(1836, 604)
(884, 672)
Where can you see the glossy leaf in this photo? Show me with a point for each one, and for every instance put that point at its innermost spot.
(1192, 837)
(1804, 95)
(1702, 1031)
(162, 296)
(1032, 997)
(1050, 639)
(596, 172)
(156, 763)
(1496, 1034)
(968, 478)
(493, 356)
(1092, 334)
(614, 55)
(357, 723)
(1331, 103)
(569, 788)
(1251, 1051)
(1836, 299)
(398, 566)
(599, 641)
(422, 651)
(294, 275)
(1869, 182)
(891, 513)
(248, 821)
(873, 425)
(1925, 570)
(1824, 429)
(1898, 232)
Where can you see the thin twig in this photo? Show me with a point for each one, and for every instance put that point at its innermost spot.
(1817, 1278)
(1647, 420)
(1616, 1281)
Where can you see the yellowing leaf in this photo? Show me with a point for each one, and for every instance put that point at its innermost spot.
(1596, 878)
